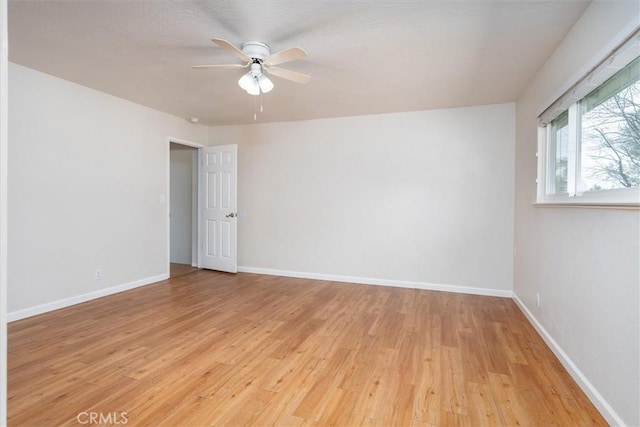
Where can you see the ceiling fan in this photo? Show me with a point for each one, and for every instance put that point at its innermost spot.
(259, 58)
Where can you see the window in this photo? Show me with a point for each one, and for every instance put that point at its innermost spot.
(610, 118)
(559, 155)
(589, 152)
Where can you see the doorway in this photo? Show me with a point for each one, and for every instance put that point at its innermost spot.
(183, 209)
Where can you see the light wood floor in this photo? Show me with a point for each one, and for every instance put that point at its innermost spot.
(213, 348)
(180, 269)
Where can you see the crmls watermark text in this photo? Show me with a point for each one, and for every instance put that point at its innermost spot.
(102, 418)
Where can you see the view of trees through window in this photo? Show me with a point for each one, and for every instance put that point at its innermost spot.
(604, 151)
(610, 137)
(560, 135)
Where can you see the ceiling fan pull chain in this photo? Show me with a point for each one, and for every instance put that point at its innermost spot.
(255, 114)
(261, 101)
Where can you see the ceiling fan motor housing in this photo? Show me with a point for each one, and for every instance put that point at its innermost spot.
(256, 50)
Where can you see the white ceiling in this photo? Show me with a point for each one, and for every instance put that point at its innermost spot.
(365, 57)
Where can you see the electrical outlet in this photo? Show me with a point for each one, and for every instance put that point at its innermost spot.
(98, 274)
(538, 300)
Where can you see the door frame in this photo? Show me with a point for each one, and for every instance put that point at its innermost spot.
(195, 200)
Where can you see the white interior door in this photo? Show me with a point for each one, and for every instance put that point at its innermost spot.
(218, 215)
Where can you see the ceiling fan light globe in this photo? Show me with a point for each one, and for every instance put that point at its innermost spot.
(247, 81)
(254, 89)
(266, 85)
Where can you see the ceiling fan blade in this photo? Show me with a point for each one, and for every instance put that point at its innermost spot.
(220, 66)
(231, 48)
(286, 55)
(294, 76)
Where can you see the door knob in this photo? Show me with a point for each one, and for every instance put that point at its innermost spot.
(231, 215)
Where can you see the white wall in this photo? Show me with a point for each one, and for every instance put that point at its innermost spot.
(421, 197)
(3, 210)
(87, 172)
(181, 167)
(585, 263)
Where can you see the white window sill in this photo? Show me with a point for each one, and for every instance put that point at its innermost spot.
(588, 205)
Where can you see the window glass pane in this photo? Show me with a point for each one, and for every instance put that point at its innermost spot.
(610, 136)
(558, 148)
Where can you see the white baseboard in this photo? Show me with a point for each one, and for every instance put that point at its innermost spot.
(592, 393)
(380, 282)
(55, 305)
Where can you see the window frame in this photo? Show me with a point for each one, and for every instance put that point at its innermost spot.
(571, 102)
(574, 195)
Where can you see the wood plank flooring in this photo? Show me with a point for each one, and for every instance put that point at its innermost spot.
(210, 348)
(176, 269)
